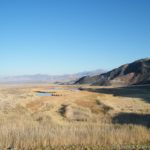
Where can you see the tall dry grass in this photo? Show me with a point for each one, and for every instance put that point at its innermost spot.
(24, 134)
(76, 120)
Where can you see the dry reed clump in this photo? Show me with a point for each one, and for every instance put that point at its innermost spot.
(75, 113)
(103, 107)
(25, 134)
(41, 117)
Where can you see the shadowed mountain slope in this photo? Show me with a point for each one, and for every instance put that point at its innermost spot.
(137, 72)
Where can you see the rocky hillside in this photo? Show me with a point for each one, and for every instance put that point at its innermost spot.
(137, 72)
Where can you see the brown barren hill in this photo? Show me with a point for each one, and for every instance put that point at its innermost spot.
(137, 72)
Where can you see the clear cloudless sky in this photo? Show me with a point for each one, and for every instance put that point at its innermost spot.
(68, 36)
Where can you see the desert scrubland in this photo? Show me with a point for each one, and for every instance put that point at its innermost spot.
(91, 118)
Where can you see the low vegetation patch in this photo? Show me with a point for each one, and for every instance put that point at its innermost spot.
(75, 113)
(74, 121)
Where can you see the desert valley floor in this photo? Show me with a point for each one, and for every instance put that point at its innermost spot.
(44, 116)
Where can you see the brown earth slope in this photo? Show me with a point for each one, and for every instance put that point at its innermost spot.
(137, 72)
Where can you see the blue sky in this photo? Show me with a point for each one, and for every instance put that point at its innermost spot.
(68, 36)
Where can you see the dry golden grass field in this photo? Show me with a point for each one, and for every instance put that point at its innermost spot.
(92, 118)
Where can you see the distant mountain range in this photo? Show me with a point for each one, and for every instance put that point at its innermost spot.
(137, 72)
(39, 78)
